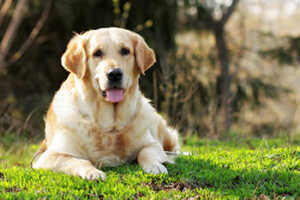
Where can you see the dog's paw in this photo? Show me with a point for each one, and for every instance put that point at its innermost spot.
(155, 168)
(93, 174)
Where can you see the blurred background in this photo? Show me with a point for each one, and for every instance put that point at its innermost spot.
(224, 66)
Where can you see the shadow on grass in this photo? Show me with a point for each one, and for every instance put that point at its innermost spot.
(192, 173)
(242, 183)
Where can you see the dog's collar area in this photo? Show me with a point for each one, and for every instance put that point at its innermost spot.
(125, 128)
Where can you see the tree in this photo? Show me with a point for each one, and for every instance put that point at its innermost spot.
(213, 16)
(6, 56)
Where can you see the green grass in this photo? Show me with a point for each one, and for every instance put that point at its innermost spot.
(242, 168)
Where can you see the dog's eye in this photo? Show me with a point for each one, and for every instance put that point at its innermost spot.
(124, 51)
(98, 53)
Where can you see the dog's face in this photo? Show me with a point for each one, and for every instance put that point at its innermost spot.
(110, 58)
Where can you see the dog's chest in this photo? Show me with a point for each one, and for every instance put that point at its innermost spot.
(105, 146)
(111, 150)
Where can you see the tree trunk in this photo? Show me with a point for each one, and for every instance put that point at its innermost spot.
(4, 9)
(225, 79)
(11, 31)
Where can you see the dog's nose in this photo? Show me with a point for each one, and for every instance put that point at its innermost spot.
(114, 74)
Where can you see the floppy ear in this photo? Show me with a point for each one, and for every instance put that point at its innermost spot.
(74, 58)
(144, 55)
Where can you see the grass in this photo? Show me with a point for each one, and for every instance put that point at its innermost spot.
(241, 168)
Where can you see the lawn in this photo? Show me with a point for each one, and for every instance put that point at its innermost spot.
(239, 168)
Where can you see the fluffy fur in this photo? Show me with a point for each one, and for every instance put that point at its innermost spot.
(85, 131)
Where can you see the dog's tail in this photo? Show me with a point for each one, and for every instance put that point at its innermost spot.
(42, 149)
(171, 141)
(167, 136)
(171, 144)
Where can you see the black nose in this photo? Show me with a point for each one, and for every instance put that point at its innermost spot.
(114, 74)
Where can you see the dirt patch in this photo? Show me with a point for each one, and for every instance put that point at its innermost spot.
(94, 196)
(181, 186)
(138, 195)
(12, 189)
(236, 180)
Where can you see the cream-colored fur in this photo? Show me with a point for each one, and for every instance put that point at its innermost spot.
(85, 131)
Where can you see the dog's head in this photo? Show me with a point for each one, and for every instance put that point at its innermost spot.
(110, 58)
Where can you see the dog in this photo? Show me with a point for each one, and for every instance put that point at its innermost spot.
(99, 117)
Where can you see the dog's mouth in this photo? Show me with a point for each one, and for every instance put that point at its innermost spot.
(113, 95)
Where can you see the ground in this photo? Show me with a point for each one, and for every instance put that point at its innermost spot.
(239, 168)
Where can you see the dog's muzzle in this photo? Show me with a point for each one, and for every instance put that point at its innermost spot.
(114, 77)
(114, 93)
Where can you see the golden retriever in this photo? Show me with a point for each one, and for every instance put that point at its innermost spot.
(99, 117)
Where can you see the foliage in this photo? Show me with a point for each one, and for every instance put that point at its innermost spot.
(287, 53)
(239, 168)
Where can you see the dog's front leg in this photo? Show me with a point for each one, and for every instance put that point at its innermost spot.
(68, 164)
(151, 158)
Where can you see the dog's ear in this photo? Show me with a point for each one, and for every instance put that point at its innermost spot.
(144, 55)
(74, 58)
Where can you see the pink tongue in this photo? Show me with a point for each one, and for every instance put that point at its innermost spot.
(114, 95)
